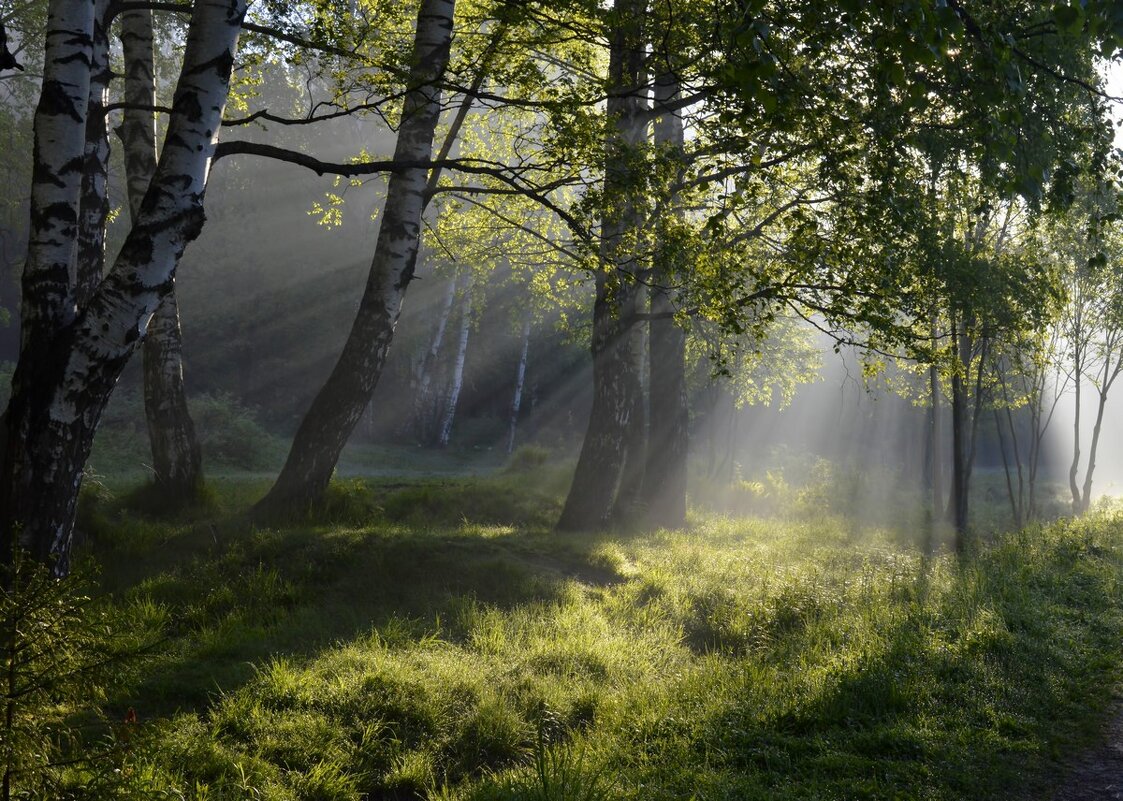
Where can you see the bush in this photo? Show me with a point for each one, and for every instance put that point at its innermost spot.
(527, 457)
(230, 434)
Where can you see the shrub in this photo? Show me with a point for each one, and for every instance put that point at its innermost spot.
(527, 457)
(230, 434)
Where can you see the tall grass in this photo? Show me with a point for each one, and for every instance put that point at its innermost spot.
(437, 641)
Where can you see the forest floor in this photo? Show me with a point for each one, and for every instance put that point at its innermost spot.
(435, 639)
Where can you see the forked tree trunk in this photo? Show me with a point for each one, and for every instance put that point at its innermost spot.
(665, 473)
(177, 460)
(456, 380)
(68, 366)
(1015, 503)
(616, 380)
(1107, 378)
(340, 403)
(520, 379)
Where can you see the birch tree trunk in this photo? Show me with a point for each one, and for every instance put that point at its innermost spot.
(935, 463)
(1086, 494)
(425, 405)
(456, 380)
(47, 301)
(1107, 376)
(1074, 467)
(177, 459)
(69, 365)
(95, 169)
(665, 473)
(629, 506)
(957, 507)
(616, 380)
(340, 403)
(520, 378)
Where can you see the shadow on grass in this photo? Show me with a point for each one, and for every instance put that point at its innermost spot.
(396, 558)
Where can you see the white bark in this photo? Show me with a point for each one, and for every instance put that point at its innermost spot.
(340, 403)
(171, 214)
(60, 138)
(95, 171)
(176, 455)
(424, 404)
(65, 379)
(520, 378)
(138, 127)
(456, 380)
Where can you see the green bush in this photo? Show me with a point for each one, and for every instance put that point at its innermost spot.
(528, 457)
(230, 434)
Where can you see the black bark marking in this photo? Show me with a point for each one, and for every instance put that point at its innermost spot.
(41, 172)
(53, 214)
(55, 101)
(75, 165)
(188, 105)
(220, 64)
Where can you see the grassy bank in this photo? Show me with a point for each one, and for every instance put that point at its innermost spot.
(436, 640)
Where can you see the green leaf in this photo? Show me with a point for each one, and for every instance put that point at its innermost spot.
(1069, 19)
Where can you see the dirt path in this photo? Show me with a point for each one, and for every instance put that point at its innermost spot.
(1097, 774)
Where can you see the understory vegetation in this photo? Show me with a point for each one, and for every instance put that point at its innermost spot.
(435, 639)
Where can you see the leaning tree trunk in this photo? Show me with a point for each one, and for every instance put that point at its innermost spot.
(665, 473)
(616, 380)
(177, 459)
(1086, 494)
(70, 364)
(340, 403)
(424, 402)
(456, 380)
(520, 379)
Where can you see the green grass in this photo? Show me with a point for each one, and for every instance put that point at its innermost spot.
(434, 639)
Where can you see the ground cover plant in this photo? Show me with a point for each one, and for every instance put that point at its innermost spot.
(370, 651)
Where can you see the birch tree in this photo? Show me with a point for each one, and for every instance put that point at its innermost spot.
(1093, 325)
(667, 449)
(177, 460)
(520, 378)
(607, 451)
(340, 403)
(456, 379)
(71, 357)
